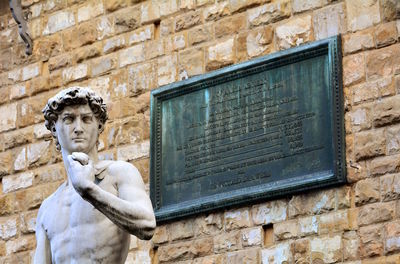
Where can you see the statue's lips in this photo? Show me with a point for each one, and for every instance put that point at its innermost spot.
(78, 139)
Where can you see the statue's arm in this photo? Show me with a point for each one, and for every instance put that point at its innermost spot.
(131, 209)
(43, 251)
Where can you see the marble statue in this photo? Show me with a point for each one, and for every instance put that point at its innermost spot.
(90, 217)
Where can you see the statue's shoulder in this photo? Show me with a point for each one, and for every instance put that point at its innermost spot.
(114, 168)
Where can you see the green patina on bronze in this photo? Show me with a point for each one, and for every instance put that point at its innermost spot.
(257, 130)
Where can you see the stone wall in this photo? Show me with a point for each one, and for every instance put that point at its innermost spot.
(125, 48)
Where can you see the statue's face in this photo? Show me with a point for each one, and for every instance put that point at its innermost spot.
(77, 129)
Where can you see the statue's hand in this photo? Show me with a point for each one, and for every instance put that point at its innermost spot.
(80, 171)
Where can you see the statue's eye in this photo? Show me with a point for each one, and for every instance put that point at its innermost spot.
(87, 119)
(67, 119)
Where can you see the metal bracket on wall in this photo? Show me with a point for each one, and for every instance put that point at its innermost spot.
(16, 11)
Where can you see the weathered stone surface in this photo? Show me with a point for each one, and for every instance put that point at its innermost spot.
(386, 34)
(75, 73)
(38, 153)
(328, 21)
(52, 173)
(157, 48)
(392, 238)
(141, 78)
(208, 225)
(113, 44)
(308, 225)
(112, 5)
(252, 237)
(126, 19)
(216, 11)
(28, 222)
(200, 34)
(183, 250)
(390, 9)
(326, 249)
(59, 21)
(150, 11)
(60, 61)
(187, 20)
(86, 33)
(270, 212)
(393, 139)
(371, 238)
(230, 25)
(141, 34)
(294, 32)
(361, 40)
(258, 41)
(14, 182)
(302, 5)
(235, 219)
(167, 69)
(31, 71)
(335, 222)
(47, 47)
(387, 111)
(279, 253)
(7, 204)
(383, 165)
(6, 160)
(103, 64)
(20, 244)
(353, 69)
(20, 162)
(390, 187)
(369, 144)
(132, 152)
(8, 228)
(312, 203)
(382, 62)
(360, 119)
(160, 235)
(39, 84)
(238, 5)
(375, 213)
(191, 62)
(8, 117)
(362, 14)
(87, 52)
(300, 250)
(105, 27)
(351, 245)
(220, 55)
(227, 242)
(247, 256)
(286, 230)
(32, 198)
(269, 13)
(181, 230)
(90, 10)
(367, 191)
(372, 90)
(131, 55)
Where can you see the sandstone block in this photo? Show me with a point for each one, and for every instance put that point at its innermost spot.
(367, 191)
(141, 78)
(361, 40)
(47, 47)
(53, 5)
(216, 11)
(393, 139)
(101, 86)
(8, 117)
(20, 181)
(239, 5)
(252, 237)
(382, 62)
(90, 10)
(87, 52)
(269, 13)
(236, 219)
(312, 203)
(187, 249)
(308, 225)
(390, 187)
(52, 173)
(326, 249)
(334, 222)
(59, 21)
(113, 5)
(8, 228)
(301, 5)
(230, 25)
(351, 245)
(371, 238)
(375, 213)
(167, 69)
(32, 198)
(39, 153)
(114, 44)
(20, 162)
(243, 256)
(300, 250)
(353, 69)
(187, 4)
(180, 230)
(392, 238)
(4, 94)
(6, 160)
(126, 19)
(208, 225)
(387, 111)
(386, 34)
(31, 71)
(270, 212)
(168, 7)
(39, 84)
(7, 204)
(294, 32)
(390, 10)
(187, 20)
(286, 230)
(227, 242)
(258, 42)
(86, 33)
(131, 55)
(383, 165)
(360, 119)
(157, 48)
(328, 21)
(132, 152)
(103, 64)
(160, 235)
(75, 73)
(362, 14)
(191, 62)
(60, 61)
(279, 253)
(371, 90)
(14, 76)
(220, 55)
(141, 34)
(150, 12)
(200, 34)
(21, 244)
(369, 144)
(105, 27)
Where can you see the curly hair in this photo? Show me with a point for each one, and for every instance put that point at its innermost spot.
(74, 96)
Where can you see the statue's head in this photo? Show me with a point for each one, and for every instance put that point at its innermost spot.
(76, 117)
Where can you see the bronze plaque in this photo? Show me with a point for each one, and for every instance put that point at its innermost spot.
(260, 129)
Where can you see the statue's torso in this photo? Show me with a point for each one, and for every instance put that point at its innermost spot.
(79, 233)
